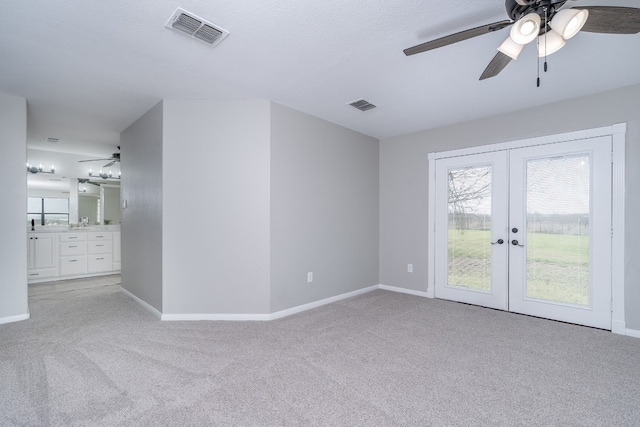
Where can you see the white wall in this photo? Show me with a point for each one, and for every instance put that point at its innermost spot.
(216, 207)
(141, 227)
(324, 209)
(13, 226)
(404, 179)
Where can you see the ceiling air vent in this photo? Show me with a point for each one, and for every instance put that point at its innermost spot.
(362, 105)
(196, 27)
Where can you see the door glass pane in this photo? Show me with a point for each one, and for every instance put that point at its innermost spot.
(558, 229)
(469, 228)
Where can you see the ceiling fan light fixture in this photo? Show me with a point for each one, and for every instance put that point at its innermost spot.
(569, 22)
(511, 48)
(526, 29)
(550, 42)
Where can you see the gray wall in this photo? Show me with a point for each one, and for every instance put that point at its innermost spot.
(404, 179)
(13, 226)
(216, 207)
(324, 209)
(88, 206)
(141, 227)
(112, 204)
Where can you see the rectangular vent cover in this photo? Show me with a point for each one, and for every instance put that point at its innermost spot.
(196, 27)
(362, 105)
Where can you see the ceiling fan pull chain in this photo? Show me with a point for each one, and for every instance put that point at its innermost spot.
(538, 56)
(546, 24)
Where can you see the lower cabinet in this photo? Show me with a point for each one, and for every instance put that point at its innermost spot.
(56, 255)
(73, 265)
(42, 257)
(99, 263)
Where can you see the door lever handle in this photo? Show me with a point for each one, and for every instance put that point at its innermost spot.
(499, 242)
(515, 243)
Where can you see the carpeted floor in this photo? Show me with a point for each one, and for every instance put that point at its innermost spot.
(90, 356)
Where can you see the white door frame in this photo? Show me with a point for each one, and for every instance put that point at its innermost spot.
(617, 133)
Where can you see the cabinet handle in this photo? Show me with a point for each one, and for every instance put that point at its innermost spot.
(69, 238)
(99, 245)
(74, 246)
(97, 259)
(34, 274)
(73, 260)
(99, 237)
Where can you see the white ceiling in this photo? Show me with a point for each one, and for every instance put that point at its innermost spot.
(90, 68)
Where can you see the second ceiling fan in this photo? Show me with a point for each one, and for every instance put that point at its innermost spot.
(544, 21)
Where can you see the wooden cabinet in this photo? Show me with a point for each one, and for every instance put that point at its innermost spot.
(42, 256)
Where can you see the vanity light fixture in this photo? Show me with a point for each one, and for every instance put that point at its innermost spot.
(38, 169)
(105, 175)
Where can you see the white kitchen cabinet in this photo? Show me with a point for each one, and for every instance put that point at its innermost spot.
(42, 255)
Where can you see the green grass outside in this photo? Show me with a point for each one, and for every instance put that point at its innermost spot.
(557, 264)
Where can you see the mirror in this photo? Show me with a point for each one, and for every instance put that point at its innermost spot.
(87, 196)
(98, 202)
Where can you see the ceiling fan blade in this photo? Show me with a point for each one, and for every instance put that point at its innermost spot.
(457, 37)
(94, 160)
(612, 20)
(496, 65)
(111, 163)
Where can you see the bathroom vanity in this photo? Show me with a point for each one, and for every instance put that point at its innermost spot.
(60, 253)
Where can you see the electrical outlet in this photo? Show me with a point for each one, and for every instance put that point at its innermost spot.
(409, 268)
(310, 277)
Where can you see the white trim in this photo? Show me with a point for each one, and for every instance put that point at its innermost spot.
(617, 132)
(431, 231)
(16, 318)
(255, 317)
(77, 276)
(619, 128)
(406, 291)
(144, 304)
(632, 333)
(618, 225)
(214, 317)
(315, 304)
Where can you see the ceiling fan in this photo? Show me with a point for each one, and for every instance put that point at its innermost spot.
(115, 158)
(544, 21)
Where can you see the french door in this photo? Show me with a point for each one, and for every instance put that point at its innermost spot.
(528, 230)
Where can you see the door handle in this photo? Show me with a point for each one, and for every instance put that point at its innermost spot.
(515, 243)
(499, 242)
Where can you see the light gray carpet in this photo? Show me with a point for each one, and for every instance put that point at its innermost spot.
(93, 357)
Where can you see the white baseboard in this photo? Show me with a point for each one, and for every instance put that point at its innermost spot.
(16, 318)
(216, 316)
(618, 327)
(272, 316)
(315, 304)
(633, 333)
(144, 304)
(406, 291)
